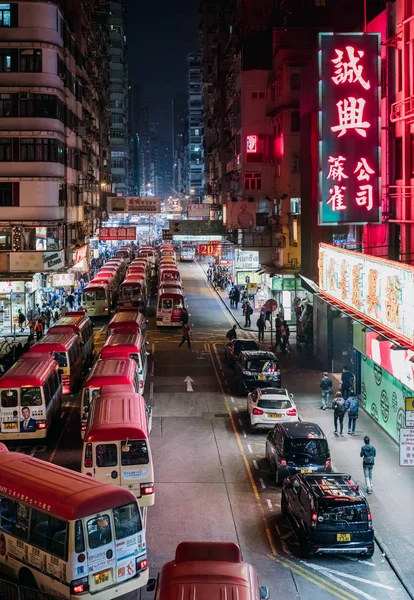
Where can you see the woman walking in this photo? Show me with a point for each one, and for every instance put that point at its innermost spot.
(339, 407)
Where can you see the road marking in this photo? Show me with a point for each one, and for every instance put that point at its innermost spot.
(152, 348)
(62, 414)
(329, 574)
(244, 434)
(269, 503)
(262, 483)
(240, 422)
(232, 399)
(256, 466)
(189, 381)
(348, 576)
(249, 448)
(236, 410)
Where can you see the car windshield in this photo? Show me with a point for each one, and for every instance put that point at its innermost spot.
(261, 365)
(341, 512)
(244, 345)
(279, 403)
(308, 447)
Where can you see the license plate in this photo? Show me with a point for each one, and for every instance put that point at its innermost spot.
(261, 377)
(343, 537)
(306, 470)
(11, 426)
(275, 415)
(101, 577)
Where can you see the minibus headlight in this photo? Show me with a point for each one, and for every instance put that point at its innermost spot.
(79, 586)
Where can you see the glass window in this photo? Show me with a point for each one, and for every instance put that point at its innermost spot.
(265, 402)
(57, 537)
(127, 521)
(9, 398)
(6, 199)
(99, 531)
(5, 103)
(178, 303)
(5, 235)
(47, 393)
(106, 455)
(31, 396)
(61, 358)
(341, 513)
(31, 61)
(295, 81)
(7, 514)
(39, 526)
(136, 452)
(5, 60)
(308, 447)
(261, 365)
(295, 121)
(167, 303)
(5, 14)
(21, 525)
(79, 538)
(5, 149)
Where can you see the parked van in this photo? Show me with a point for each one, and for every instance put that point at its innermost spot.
(128, 322)
(128, 345)
(116, 446)
(76, 322)
(65, 348)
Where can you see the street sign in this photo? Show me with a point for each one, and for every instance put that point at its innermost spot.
(409, 412)
(209, 249)
(167, 234)
(197, 227)
(175, 226)
(252, 288)
(406, 447)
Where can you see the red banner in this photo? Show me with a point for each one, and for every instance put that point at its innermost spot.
(209, 249)
(118, 233)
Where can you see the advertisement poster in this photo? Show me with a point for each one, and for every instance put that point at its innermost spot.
(241, 215)
(198, 211)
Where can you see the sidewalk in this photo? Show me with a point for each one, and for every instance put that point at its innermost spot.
(392, 499)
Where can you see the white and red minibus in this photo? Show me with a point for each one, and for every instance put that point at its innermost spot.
(187, 252)
(30, 397)
(133, 292)
(66, 534)
(125, 253)
(170, 303)
(98, 298)
(168, 274)
(129, 321)
(128, 345)
(78, 322)
(116, 444)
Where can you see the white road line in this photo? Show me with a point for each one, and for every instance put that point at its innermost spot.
(344, 584)
(239, 421)
(249, 448)
(152, 348)
(244, 434)
(256, 466)
(355, 578)
(236, 409)
(62, 414)
(262, 484)
(232, 399)
(269, 503)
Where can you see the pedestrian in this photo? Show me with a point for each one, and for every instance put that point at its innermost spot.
(39, 330)
(247, 314)
(236, 297)
(232, 334)
(56, 315)
(347, 381)
(368, 454)
(261, 326)
(352, 405)
(184, 315)
(31, 326)
(284, 336)
(339, 408)
(48, 316)
(326, 387)
(186, 335)
(42, 318)
(71, 301)
(231, 298)
(21, 318)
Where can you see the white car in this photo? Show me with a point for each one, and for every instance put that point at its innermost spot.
(268, 406)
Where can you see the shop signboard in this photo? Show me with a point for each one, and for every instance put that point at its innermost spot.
(209, 249)
(134, 204)
(15, 287)
(349, 128)
(380, 291)
(198, 211)
(80, 254)
(197, 238)
(252, 288)
(226, 263)
(63, 279)
(36, 262)
(409, 412)
(197, 227)
(397, 360)
(246, 260)
(117, 233)
(406, 447)
(166, 234)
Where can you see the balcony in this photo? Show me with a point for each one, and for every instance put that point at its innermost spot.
(403, 110)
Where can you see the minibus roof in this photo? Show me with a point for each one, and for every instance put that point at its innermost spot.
(170, 292)
(54, 342)
(120, 343)
(171, 283)
(76, 313)
(28, 372)
(95, 285)
(214, 569)
(128, 316)
(118, 416)
(131, 277)
(59, 491)
(122, 369)
(69, 322)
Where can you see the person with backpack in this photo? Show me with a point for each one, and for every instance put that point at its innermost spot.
(368, 454)
(339, 408)
(347, 381)
(325, 387)
(261, 326)
(21, 319)
(352, 406)
(232, 334)
(39, 330)
(247, 314)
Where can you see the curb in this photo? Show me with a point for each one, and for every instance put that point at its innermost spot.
(394, 566)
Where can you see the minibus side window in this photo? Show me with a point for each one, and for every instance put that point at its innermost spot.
(47, 391)
(99, 531)
(8, 398)
(79, 539)
(31, 396)
(60, 358)
(137, 454)
(7, 514)
(54, 382)
(21, 524)
(48, 533)
(136, 381)
(106, 455)
(127, 521)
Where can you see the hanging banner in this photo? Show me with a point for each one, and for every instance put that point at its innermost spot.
(241, 215)
(134, 204)
(349, 128)
(210, 249)
(117, 233)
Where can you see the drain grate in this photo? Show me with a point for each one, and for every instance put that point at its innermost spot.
(221, 415)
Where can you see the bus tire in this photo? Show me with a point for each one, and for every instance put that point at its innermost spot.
(27, 579)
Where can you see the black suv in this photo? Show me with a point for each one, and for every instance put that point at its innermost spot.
(256, 369)
(329, 513)
(297, 447)
(234, 348)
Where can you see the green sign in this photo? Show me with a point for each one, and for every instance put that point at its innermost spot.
(277, 284)
(189, 227)
(289, 284)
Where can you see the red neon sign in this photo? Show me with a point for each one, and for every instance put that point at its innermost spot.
(251, 144)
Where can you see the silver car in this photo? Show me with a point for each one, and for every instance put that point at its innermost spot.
(268, 406)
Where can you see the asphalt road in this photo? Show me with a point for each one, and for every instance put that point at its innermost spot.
(212, 481)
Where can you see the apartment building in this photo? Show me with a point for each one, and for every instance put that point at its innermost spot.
(195, 127)
(53, 145)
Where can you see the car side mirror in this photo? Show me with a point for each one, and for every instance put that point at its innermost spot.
(264, 592)
(291, 396)
(151, 585)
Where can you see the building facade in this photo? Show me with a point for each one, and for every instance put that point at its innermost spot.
(195, 127)
(180, 144)
(54, 144)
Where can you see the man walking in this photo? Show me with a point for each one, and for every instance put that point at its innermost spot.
(247, 314)
(236, 297)
(186, 335)
(232, 334)
(368, 454)
(326, 387)
(352, 406)
(21, 319)
(339, 408)
(261, 326)
(347, 380)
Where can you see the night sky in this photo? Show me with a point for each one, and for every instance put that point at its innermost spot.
(160, 34)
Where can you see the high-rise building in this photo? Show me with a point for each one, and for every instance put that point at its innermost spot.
(180, 143)
(119, 99)
(195, 127)
(54, 144)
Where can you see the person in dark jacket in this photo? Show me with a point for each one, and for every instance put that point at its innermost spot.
(325, 387)
(247, 314)
(339, 408)
(352, 406)
(368, 454)
(236, 297)
(347, 381)
(184, 316)
(186, 336)
(232, 334)
(261, 326)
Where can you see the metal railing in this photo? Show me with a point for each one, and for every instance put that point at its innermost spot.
(11, 591)
(402, 110)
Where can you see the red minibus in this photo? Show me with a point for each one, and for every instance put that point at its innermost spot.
(65, 348)
(130, 321)
(78, 322)
(65, 533)
(128, 345)
(30, 397)
(98, 298)
(108, 372)
(169, 307)
(133, 292)
(168, 274)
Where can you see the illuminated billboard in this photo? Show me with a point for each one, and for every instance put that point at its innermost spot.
(349, 128)
(379, 290)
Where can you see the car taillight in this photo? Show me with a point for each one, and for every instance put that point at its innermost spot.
(79, 586)
(257, 411)
(40, 424)
(88, 463)
(283, 462)
(147, 488)
(291, 412)
(106, 309)
(369, 519)
(141, 384)
(314, 519)
(141, 564)
(327, 463)
(83, 427)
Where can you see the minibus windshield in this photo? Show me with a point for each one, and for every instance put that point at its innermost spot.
(31, 396)
(134, 452)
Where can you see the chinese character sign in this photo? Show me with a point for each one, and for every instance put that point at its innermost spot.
(380, 290)
(349, 128)
(117, 233)
(251, 144)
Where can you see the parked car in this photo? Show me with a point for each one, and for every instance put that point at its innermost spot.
(329, 513)
(256, 369)
(234, 348)
(267, 406)
(298, 447)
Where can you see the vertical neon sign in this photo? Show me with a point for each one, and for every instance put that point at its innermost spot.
(349, 128)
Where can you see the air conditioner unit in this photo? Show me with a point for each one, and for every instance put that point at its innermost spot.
(277, 258)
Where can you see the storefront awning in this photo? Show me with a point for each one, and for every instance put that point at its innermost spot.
(309, 285)
(271, 270)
